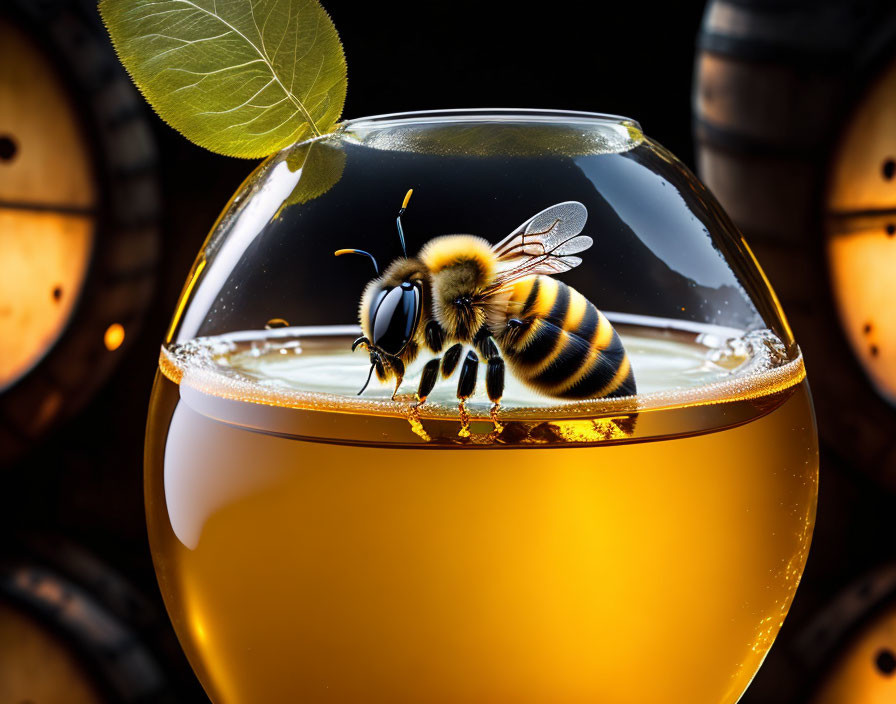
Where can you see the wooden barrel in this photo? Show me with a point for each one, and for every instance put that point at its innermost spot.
(785, 99)
(79, 213)
(72, 631)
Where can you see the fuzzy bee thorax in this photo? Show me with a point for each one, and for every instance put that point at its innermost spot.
(460, 267)
(466, 252)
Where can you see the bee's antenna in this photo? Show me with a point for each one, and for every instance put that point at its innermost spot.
(340, 252)
(398, 220)
(369, 377)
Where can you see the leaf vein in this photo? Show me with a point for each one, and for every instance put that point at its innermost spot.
(295, 101)
(241, 105)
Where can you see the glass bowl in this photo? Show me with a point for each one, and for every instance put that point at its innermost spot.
(543, 424)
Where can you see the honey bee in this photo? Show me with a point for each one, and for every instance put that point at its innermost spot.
(502, 301)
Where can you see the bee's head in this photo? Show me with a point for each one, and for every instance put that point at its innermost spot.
(391, 305)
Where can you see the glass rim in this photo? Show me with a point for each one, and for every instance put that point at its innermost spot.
(490, 115)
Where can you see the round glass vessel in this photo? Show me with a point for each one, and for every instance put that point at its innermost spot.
(584, 446)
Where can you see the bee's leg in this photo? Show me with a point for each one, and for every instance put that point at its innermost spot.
(428, 380)
(494, 374)
(376, 365)
(481, 341)
(491, 356)
(434, 335)
(451, 358)
(466, 385)
(397, 367)
(494, 379)
(379, 364)
(494, 386)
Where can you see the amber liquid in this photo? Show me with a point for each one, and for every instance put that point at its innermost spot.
(645, 569)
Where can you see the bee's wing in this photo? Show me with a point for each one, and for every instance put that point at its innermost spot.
(544, 244)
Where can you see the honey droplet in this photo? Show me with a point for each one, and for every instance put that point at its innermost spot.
(464, 431)
(499, 426)
(416, 424)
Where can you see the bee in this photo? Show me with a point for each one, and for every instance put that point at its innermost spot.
(500, 300)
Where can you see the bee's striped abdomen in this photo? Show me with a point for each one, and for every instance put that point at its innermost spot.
(565, 347)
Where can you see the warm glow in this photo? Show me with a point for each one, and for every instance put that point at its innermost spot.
(200, 630)
(47, 193)
(860, 178)
(52, 166)
(28, 648)
(863, 272)
(43, 261)
(114, 337)
(861, 231)
(315, 571)
(864, 674)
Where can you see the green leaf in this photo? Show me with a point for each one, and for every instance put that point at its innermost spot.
(321, 162)
(239, 77)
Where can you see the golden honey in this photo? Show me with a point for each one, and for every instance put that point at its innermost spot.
(320, 547)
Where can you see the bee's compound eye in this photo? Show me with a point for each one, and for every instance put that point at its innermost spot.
(376, 299)
(395, 317)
